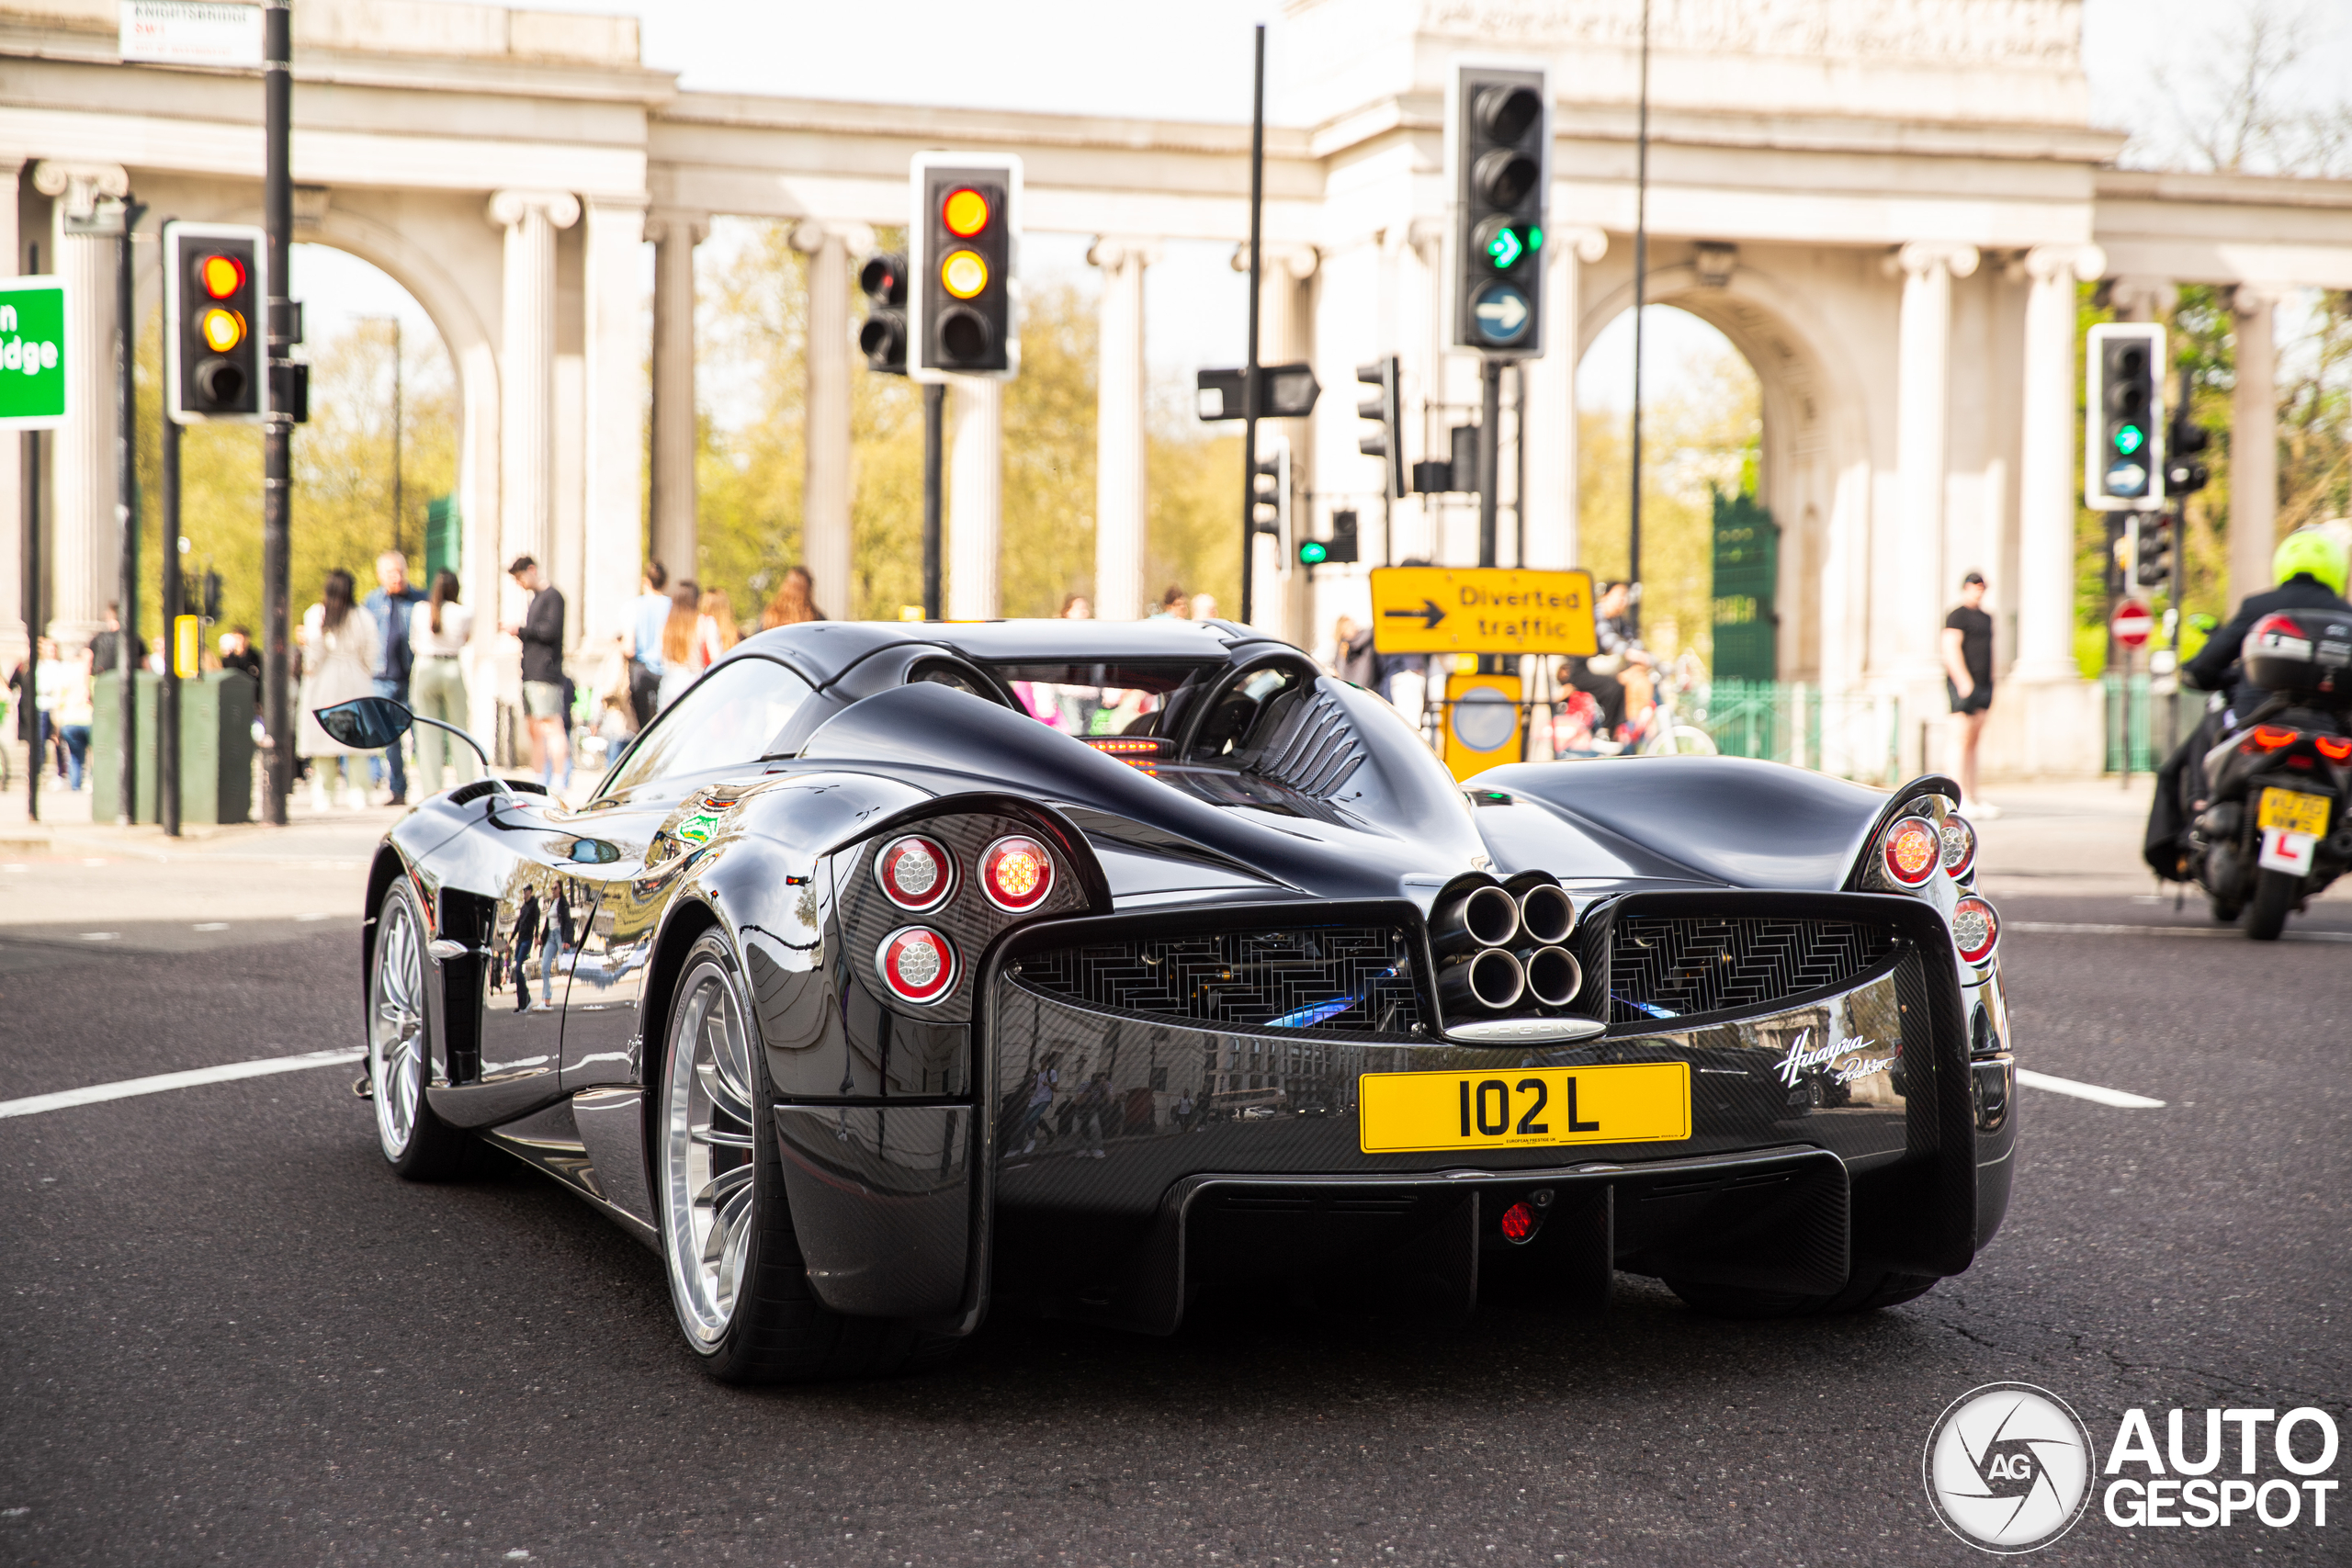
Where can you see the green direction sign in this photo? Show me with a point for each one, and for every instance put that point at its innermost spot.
(32, 352)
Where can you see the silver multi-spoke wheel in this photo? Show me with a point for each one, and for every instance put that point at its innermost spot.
(709, 1159)
(396, 1027)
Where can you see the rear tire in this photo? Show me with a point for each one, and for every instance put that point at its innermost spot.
(418, 1145)
(1864, 1293)
(2276, 894)
(738, 1280)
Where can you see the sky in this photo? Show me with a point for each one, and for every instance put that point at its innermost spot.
(1062, 56)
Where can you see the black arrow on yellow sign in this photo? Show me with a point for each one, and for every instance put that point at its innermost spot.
(1429, 615)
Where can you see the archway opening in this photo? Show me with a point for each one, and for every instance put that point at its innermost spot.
(1703, 429)
(374, 468)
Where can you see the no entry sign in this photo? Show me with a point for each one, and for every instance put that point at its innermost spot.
(2132, 622)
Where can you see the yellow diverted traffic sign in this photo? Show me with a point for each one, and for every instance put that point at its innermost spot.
(1435, 609)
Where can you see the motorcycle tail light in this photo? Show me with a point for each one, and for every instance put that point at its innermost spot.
(1959, 845)
(1913, 848)
(1016, 873)
(915, 873)
(2271, 738)
(2336, 749)
(918, 964)
(1975, 928)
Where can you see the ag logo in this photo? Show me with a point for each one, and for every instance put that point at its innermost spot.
(2008, 1468)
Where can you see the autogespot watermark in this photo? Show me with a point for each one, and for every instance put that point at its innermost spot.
(2010, 1468)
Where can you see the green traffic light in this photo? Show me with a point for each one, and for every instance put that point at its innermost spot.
(2130, 438)
(1505, 249)
(1312, 552)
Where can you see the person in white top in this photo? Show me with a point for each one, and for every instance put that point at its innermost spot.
(341, 647)
(437, 632)
(62, 691)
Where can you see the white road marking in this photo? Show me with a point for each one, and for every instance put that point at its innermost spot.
(211, 926)
(2065, 928)
(34, 1105)
(2114, 1096)
(101, 936)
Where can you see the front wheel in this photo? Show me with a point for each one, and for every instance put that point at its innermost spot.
(2275, 896)
(418, 1144)
(737, 1277)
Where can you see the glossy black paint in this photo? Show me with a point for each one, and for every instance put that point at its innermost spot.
(919, 1186)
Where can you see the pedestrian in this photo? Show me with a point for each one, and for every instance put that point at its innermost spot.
(1184, 1110)
(543, 707)
(1094, 1105)
(1968, 679)
(1204, 607)
(25, 698)
(528, 924)
(686, 652)
(61, 686)
(1350, 657)
(106, 649)
(1042, 1084)
(1175, 604)
(238, 653)
(437, 637)
(339, 647)
(648, 613)
(719, 631)
(794, 601)
(389, 601)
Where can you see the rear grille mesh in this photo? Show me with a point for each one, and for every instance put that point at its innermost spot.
(1662, 967)
(1326, 979)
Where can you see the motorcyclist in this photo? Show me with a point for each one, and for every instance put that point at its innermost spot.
(2310, 568)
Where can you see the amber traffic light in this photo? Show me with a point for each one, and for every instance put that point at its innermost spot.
(963, 234)
(214, 304)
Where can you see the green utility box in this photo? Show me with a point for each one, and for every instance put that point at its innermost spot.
(444, 541)
(216, 747)
(1746, 576)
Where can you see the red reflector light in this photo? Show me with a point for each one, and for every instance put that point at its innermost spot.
(915, 873)
(1016, 873)
(917, 964)
(1975, 928)
(2272, 737)
(2334, 748)
(1518, 1223)
(1913, 848)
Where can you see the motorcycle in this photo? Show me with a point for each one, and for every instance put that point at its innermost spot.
(2272, 828)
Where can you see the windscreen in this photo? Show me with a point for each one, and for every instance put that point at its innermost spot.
(1097, 699)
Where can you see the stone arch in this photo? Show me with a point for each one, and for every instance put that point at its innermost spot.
(1815, 465)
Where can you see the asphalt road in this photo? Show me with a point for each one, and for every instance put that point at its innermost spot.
(228, 1334)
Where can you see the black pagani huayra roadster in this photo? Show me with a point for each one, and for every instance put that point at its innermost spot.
(873, 993)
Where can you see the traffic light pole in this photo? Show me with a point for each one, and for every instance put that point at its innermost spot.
(1250, 365)
(1490, 459)
(1641, 298)
(37, 749)
(277, 458)
(934, 413)
(167, 706)
(126, 479)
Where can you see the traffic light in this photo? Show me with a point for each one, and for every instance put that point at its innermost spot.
(1270, 487)
(882, 336)
(965, 239)
(1498, 147)
(215, 317)
(1386, 408)
(2117, 571)
(2123, 412)
(2154, 566)
(2184, 473)
(1344, 548)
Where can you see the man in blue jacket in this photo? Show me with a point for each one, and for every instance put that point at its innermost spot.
(389, 603)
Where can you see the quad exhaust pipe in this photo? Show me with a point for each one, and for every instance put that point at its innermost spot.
(1495, 949)
(1490, 978)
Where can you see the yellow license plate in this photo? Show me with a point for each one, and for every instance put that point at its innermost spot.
(1643, 1102)
(2294, 811)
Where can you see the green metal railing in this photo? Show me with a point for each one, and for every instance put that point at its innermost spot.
(2150, 710)
(1854, 735)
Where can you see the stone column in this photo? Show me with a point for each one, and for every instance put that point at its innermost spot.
(1922, 391)
(825, 492)
(1122, 508)
(85, 554)
(526, 491)
(674, 235)
(2254, 442)
(1550, 429)
(974, 498)
(615, 455)
(2048, 493)
(13, 644)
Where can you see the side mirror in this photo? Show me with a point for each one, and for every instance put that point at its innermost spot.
(366, 724)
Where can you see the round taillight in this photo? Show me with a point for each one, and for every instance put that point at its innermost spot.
(1016, 873)
(1519, 1224)
(1975, 928)
(1914, 848)
(1959, 845)
(915, 873)
(917, 964)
